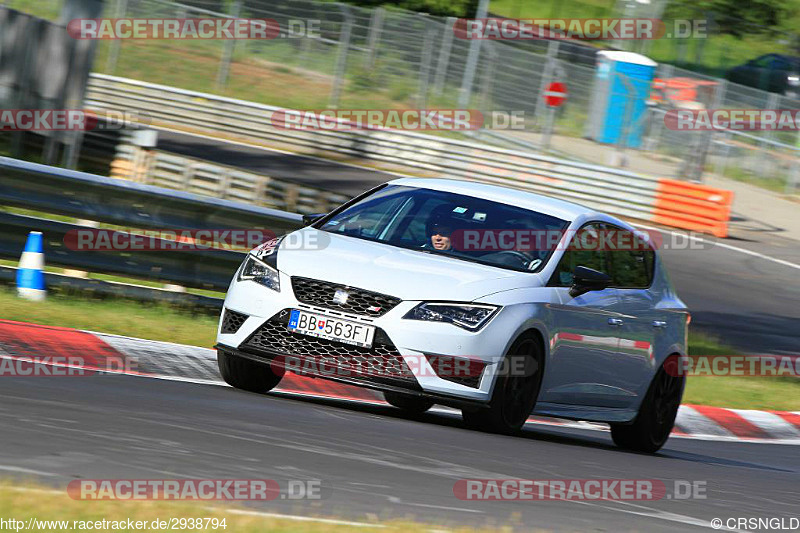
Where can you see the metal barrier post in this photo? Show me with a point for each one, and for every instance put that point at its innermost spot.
(375, 29)
(619, 156)
(425, 64)
(472, 61)
(444, 56)
(488, 80)
(547, 75)
(113, 51)
(227, 51)
(341, 60)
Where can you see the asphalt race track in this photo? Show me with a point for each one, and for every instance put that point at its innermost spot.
(373, 462)
(748, 302)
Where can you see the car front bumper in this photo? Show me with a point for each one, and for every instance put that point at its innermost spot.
(413, 341)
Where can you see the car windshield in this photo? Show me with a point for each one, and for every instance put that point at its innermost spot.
(458, 226)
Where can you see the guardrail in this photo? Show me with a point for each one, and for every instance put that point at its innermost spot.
(153, 167)
(113, 201)
(130, 205)
(608, 189)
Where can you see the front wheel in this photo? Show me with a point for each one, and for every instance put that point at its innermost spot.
(515, 391)
(408, 403)
(653, 425)
(245, 374)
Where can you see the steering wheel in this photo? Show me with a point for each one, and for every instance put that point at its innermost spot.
(513, 253)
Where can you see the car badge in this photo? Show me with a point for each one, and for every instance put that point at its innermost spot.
(340, 297)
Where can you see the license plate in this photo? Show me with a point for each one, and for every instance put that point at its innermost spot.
(333, 329)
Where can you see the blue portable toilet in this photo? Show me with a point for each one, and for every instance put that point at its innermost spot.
(621, 87)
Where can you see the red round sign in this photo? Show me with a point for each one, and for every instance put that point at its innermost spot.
(555, 94)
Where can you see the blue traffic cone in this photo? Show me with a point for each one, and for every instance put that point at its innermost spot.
(30, 274)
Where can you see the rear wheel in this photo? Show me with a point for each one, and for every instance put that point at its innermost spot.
(656, 418)
(247, 375)
(515, 391)
(406, 402)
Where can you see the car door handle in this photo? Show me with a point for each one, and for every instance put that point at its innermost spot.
(659, 324)
(614, 321)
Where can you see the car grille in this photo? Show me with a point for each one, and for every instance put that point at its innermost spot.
(380, 364)
(232, 321)
(359, 301)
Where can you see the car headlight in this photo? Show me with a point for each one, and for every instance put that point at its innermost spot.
(468, 316)
(260, 272)
(793, 80)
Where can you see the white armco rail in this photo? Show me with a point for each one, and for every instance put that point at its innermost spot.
(616, 191)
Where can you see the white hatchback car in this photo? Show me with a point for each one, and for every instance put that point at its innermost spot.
(468, 295)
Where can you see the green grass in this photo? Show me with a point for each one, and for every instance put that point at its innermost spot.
(23, 500)
(46, 9)
(772, 183)
(770, 393)
(552, 8)
(166, 323)
(738, 392)
(113, 315)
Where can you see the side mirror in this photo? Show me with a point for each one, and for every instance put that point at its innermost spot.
(586, 279)
(310, 219)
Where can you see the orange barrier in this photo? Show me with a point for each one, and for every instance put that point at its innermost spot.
(682, 90)
(692, 206)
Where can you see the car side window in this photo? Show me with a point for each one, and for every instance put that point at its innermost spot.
(763, 61)
(779, 63)
(632, 266)
(576, 255)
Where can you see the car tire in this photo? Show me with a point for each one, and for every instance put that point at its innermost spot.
(245, 374)
(515, 391)
(408, 403)
(654, 422)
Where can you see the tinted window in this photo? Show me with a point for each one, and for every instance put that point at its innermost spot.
(632, 268)
(594, 259)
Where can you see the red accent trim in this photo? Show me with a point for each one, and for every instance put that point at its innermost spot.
(732, 422)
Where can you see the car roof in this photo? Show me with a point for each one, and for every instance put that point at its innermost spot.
(547, 205)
